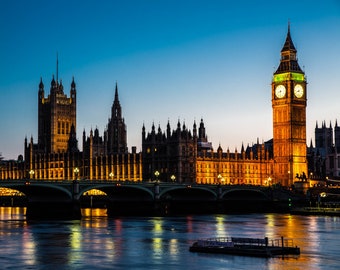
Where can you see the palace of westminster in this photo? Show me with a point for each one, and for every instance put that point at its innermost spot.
(179, 155)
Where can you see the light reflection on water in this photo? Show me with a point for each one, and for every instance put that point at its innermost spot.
(99, 242)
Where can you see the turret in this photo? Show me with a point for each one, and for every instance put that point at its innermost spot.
(201, 131)
(116, 108)
(73, 91)
(194, 130)
(41, 92)
(73, 142)
(117, 138)
(143, 132)
(168, 130)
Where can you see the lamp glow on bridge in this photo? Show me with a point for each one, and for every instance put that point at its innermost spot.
(76, 172)
(111, 175)
(219, 177)
(173, 178)
(31, 173)
(268, 181)
(157, 174)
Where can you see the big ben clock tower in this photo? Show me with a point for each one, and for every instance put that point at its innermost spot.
(289, 101)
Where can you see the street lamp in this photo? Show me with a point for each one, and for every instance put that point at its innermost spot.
(76, 172)
(223, 181)
(111, 175)
(219, 177)
(269, 181)
(173, 178)
(157, 174)
(31, 172)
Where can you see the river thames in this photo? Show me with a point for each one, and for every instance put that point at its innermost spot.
(100, 242)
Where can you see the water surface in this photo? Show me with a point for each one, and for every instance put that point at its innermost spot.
(99, 242)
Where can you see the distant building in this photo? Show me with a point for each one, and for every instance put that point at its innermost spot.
(324, 157)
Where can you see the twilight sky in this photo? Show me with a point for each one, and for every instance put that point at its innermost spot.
(173, 60)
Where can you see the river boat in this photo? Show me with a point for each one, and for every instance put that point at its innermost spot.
(256, 247)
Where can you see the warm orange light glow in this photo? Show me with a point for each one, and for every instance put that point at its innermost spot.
(94, 192)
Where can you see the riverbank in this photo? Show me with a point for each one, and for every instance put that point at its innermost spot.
(322, 211)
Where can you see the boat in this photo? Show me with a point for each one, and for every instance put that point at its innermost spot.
(255, 247)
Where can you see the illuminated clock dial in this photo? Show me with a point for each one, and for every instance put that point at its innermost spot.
(280, 91)
(298, 90)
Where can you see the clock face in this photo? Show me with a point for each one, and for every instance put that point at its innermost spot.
(298, 90)
(280, 91)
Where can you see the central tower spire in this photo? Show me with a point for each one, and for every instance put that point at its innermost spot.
(57, 75)
(117, 139)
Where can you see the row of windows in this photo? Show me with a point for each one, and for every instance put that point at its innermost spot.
(231, 181)
(226, 166)
(63, 127)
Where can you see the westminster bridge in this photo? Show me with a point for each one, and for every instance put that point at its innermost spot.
(64, 199)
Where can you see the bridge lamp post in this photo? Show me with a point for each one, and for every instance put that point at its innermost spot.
(31, 172)
(269, 181)
(222, 181)
(173, 178)
(157, 174)
(321, 195)
(111, 176)
(76, 172)
(219, 177)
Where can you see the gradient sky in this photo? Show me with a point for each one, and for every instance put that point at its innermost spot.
(173, 60)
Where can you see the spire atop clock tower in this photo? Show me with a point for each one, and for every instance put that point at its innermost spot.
(288, 61)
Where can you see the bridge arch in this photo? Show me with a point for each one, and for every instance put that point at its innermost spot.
(244, 194)
(119, 191)
(188, 192)
(40, 190)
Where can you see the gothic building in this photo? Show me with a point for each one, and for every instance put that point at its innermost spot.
(179, 155)
(277, 161)
(107, 157)
(324, 157)
(187, 157)
(56, 155)
(172, 154)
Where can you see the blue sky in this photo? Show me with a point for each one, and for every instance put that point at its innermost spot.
(173, 60)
